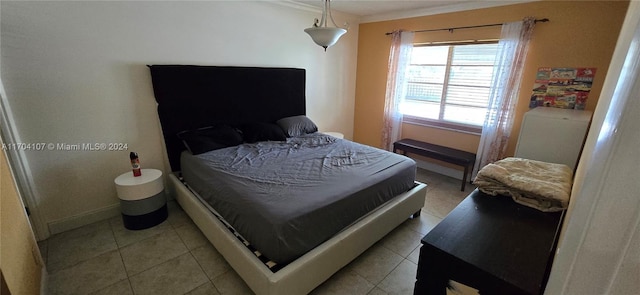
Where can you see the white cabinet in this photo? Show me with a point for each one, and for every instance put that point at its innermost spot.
(553, 135)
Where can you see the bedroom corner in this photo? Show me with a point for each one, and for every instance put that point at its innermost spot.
(74, 85)
(557, 42)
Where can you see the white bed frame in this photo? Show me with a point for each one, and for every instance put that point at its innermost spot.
(310, 270)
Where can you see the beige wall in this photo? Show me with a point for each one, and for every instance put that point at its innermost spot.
(580, 34)
(19, 254)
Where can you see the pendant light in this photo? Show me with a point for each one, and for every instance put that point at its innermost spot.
(322, 34)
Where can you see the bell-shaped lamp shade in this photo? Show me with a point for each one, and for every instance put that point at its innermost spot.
(325, 36)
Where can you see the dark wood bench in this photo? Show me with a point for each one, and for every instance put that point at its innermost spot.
(442, 153)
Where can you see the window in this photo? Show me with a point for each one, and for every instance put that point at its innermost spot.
(449, 85)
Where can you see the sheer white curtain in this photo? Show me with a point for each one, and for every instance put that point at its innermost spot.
(512, 50)
(399, 58)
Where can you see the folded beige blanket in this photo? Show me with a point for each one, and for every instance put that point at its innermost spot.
(540, 185)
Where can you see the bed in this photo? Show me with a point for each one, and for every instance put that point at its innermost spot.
(193, 97)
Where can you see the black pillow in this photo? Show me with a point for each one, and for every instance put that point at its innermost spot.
(297, 125)
(210, 138)
(254, 132)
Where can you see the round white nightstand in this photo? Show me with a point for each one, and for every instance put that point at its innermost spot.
(142, 199)
(334, 134)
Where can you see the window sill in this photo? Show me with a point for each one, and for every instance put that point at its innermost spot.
(462, 128)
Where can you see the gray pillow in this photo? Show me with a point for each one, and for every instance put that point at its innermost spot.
(297, 125)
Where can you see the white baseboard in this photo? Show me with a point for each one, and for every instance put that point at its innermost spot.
(80, 220)
(44, 280)
(448, 171)
(72, 222)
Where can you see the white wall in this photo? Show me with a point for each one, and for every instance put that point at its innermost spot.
(599, 249)
(75, 72)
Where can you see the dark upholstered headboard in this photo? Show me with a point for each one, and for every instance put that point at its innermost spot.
(191, 97)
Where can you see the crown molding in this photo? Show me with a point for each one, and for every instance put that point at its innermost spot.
(439, 10)
(297, 5)
(352, 18)
(471, 5)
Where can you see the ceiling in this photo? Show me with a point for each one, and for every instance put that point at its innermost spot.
(377, 10)
(375, 7)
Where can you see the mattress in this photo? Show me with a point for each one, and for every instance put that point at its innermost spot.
(288, 197)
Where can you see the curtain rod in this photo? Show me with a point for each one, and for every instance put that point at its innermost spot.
(542, 20)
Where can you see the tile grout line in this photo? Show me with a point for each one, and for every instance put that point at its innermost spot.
(171, 226)
(113, 233)
(80, 261)
(190, 251)
(210, 280)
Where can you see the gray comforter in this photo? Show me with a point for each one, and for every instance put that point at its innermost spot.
(288, 197)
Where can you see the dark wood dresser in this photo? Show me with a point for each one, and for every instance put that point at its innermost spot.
(491, 244)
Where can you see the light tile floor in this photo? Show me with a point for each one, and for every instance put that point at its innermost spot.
(175, 258)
